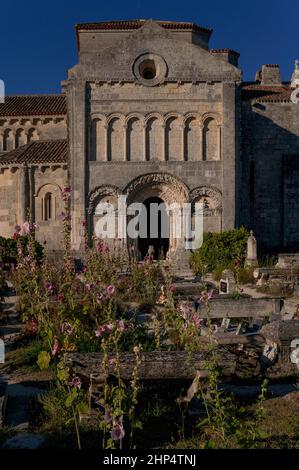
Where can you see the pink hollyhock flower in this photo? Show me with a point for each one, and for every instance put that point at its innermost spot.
(100, 331)
(120, 324)
(99, 298)
(197, 321)
(109, 328)
(67, 328)
(107, 417)
(26, 228)
(172, 288)
(17, 229)
(76, 382)
(110, 290)
(49, 287)
(59, 297)
(117, 432)
(56, 347)
(88, 287)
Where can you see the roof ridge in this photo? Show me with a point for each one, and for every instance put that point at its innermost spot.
(34, 94)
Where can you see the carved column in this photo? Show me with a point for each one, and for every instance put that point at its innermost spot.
(23, 194)
(125, 148)
(219, 142)
(182, 149)
(32, 193)
(200, 156)
(163, 142)
(143, 128)
(105, 143)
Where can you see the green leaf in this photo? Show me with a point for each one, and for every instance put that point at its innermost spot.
(71, 398)
(43, 360)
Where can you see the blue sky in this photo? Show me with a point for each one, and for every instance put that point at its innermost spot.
(38, 42)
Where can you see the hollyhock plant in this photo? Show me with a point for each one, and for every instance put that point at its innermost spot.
(238, 264)
(100, 331)
(206, 296)
(118, 431)
(26, 228)
(99, 298)
(56, 347)
(67, 328)
(110, 290)
(76, 382)
(49, 287)
(107, 417)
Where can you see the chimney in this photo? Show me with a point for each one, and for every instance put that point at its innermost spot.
(270, 75)
(295, 76)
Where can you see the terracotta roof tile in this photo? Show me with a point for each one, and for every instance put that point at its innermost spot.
(39, 151)
(135, 24)
(33, 105)
(266, 94)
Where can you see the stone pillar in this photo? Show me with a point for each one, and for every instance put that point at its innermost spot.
(219, 143)
(251, 259)
(200, 157)
(163, 141)
(229, 156)
(78, 178)
(143, 127)
(105, 143)
(182, 149)
(32, 193)
(23, 194)
(125, 150)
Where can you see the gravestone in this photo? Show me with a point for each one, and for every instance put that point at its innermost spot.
(251, 258)
(227, 282)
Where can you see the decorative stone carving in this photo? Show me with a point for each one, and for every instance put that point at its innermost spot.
(207, 192)
(158, 179)
(99, 192)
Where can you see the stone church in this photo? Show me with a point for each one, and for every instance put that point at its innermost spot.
(151, 112)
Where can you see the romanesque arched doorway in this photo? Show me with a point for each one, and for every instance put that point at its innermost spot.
(155, 234)
(158, 188)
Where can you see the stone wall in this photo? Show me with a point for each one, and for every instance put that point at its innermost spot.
(270, 175)
(18, 131)
(9, 201)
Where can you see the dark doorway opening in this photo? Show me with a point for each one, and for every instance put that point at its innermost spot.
(157, 228)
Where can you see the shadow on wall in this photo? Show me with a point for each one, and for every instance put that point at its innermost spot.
(270, 175)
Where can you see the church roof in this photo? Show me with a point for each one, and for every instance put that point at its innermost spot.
(33, 105)
(136, 24)
(266, 93)
(39, 152)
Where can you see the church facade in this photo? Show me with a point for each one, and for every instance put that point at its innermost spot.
(150, 112)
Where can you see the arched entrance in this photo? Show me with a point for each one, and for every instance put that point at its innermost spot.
(156, 232)
(158, 188)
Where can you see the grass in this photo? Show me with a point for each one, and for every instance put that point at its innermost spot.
(25, 355)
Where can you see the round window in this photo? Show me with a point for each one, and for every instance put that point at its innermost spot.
(150, 69)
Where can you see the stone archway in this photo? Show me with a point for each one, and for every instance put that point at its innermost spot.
(211, 198)
(166, 188)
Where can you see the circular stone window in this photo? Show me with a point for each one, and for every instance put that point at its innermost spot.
(150, 69)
